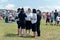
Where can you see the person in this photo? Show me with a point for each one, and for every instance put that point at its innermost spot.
(28, 20)
(58, 19)
(4, 15)
(55, 15)
(34, 22)
(16, 14)
(43, 15)
(10, 17)
(22, 17)
(7, 17)
(47, 18)
(38, 22)
(17, 20)
(51, 17)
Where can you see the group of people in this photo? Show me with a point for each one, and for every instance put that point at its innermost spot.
(28, 20)
(8, 17)
(53, 16)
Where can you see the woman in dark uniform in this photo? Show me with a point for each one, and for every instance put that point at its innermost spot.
(34, 22)
(17, 19)
(22, 16)
(55, 15)
(38, 22)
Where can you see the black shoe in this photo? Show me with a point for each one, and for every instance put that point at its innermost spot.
(38, 35)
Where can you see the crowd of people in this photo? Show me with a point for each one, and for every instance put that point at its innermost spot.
(7, 16)
(53, 16)
(31, 19)
(28, 20)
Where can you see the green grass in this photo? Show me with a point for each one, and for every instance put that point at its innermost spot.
(9, 31)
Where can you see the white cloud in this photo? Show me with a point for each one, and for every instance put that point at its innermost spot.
(3, 1)
(1, 6)
(49, 8)
(10, 6)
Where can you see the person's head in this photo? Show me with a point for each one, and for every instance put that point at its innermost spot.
(52, 12)
(18, 10)
(22, 10)
(47, 13)
(38, 12)
(34, 11)
(29, 10)
(55, 10)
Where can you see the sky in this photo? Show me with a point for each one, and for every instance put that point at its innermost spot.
(43, 5)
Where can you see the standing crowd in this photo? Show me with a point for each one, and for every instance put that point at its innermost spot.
(28, 20)
(53, 16)
(31, 19)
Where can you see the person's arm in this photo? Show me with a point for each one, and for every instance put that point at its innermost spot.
(46, 15)
(18, 15)
(25, 15)
(35, 18)
(40, 17)
(31, 16)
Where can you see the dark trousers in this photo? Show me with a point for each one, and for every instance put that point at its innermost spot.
(57, 22)
(47, 20)
(6, 20)
(38, 29)
(28, 25)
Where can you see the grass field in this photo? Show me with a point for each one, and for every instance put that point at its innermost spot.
(9, 31)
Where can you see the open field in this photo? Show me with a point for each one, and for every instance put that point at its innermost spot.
(9, 31)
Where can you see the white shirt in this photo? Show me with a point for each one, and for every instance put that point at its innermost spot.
(16, 14)
(58, 18)
(33, 18)
(28, 18)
